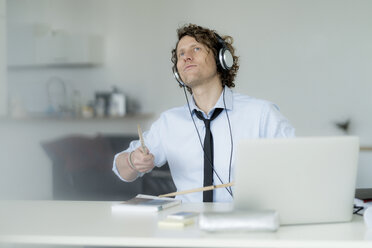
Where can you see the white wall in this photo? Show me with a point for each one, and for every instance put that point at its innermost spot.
(312, 58)
(3, 84)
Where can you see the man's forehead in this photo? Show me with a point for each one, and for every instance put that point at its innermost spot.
(187, 41)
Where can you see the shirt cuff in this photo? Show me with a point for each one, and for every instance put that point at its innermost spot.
(116, 171)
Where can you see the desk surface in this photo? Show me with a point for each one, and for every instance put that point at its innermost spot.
(92, 223)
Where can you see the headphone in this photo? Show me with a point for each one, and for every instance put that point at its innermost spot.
(224, 59)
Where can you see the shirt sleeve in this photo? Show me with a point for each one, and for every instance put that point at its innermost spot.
(274, 124)
(153, 142)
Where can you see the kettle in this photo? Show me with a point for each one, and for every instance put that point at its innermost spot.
(117, 103)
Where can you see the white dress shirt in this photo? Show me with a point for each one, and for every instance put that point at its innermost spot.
(174, 139)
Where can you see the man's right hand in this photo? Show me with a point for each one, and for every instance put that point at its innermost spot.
(143, 161)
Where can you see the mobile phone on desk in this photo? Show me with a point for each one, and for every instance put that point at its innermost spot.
(178, 219)
(182, 215)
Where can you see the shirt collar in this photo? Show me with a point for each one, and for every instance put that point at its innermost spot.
(219, 104)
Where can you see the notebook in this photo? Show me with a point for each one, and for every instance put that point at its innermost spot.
(307, 180)
(145, 203)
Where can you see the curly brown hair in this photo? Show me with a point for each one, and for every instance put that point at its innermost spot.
(208, 38)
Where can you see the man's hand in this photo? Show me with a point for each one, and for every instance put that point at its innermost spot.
(143, 161)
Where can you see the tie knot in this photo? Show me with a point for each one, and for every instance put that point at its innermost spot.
(207, 122)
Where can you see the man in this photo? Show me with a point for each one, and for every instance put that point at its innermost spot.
(197, 139)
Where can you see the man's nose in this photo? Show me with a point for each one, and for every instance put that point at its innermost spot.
(188, 56)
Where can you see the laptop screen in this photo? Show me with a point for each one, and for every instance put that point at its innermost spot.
(302, 178)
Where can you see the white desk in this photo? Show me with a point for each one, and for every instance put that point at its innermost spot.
(92, 223)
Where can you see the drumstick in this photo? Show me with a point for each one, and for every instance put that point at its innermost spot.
(141, 138)
(211, 187)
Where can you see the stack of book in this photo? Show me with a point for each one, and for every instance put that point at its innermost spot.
(145, 203)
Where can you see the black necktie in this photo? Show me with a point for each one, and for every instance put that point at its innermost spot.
(208, 153)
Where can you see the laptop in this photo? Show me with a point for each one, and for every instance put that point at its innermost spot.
(307, 180)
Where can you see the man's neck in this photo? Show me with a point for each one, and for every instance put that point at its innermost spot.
(207, 95)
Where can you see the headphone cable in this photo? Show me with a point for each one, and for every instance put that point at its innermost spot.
(231, 139)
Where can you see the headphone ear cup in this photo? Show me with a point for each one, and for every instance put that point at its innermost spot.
(177, 77)
(225, 58)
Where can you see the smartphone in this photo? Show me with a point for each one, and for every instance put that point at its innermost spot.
(182, 215)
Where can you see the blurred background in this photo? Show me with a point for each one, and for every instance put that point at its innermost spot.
(96, 68)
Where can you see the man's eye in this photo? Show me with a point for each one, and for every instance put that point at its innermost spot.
(181, 54)
(196, 49)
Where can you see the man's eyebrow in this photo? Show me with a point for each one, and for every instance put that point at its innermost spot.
(183, 48)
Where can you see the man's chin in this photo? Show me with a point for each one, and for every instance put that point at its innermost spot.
(190, 80)
(190, 83)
